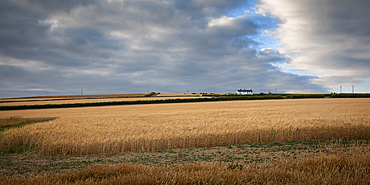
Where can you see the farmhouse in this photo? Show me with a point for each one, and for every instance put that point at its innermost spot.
(244, 92)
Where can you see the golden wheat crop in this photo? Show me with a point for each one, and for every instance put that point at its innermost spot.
(118, 129)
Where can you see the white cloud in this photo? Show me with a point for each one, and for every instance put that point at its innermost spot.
(222, 22)
(52, 22)
(31, 65)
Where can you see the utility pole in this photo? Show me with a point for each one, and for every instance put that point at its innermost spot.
(353, 89)
(82, 91)
(340, 89)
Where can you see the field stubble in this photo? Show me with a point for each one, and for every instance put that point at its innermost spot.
(334, 169)
(119, 129)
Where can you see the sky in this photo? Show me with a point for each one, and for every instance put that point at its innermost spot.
(180, 46)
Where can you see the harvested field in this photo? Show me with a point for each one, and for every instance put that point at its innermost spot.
(119, 129)
(333, 169)
(29, 165)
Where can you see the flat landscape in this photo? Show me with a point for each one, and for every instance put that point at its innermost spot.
(233, 138)
(88, 99)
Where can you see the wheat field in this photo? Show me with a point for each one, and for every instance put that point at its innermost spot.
(119, 129)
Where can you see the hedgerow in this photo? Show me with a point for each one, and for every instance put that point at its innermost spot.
(299, 96)
(351, 95)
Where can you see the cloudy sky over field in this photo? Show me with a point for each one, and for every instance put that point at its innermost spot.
(175, 46)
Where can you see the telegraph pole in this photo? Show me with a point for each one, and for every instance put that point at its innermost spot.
(340, 89)
(82, 91)
(353, 89)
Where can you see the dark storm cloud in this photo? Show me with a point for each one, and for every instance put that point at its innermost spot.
(347, 17)
(55, 47)
(348, 23)
(327, 37)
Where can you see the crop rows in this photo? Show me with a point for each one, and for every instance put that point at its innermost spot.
(249, 137)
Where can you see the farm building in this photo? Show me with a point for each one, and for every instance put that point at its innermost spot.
(244, 92)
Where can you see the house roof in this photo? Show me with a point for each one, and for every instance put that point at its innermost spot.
(244, 90)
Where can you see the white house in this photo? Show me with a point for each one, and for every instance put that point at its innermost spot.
(244, 92)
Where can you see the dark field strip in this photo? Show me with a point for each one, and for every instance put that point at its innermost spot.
(16, 122)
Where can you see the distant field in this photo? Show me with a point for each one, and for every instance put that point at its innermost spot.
(118, 129)
(179, 95)
(69, 97)
(89, 100)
